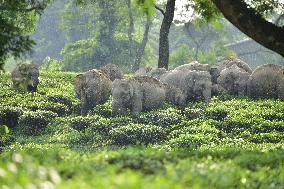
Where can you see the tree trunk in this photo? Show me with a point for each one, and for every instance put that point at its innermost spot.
(252, 24)
(141, 48)
(131, 28)
(164, 35)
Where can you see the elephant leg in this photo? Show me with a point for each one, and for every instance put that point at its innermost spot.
(137, 106)
(242, 91)
(84, 104)
(207, 95)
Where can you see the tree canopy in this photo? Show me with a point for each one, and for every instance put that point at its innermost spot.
(17, 20)
(251, 17)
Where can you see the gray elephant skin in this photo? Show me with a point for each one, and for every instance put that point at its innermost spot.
(195, 84)
(234, 80)
(235, 61)
(92, 88)
(266, 81)
(112, 71)
(140, 93)
(142, 71)
(26, 77)
(194, 66)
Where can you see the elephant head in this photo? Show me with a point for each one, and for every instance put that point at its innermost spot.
(112, 71)
(26, 77)
(126, 94)
(32, 77)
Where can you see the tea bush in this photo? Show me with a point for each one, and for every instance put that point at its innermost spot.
(33, 123)
(102, 109)
(103, 126)
(163, 118)
(137, 134)
(227, 143)
(81, 123)
(9, 116)
(4, 131)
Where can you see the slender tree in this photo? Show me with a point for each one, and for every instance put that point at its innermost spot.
(141, 48)
(163, 61)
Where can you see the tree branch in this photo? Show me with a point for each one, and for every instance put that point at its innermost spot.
(277, 21)
(252, 24)
(159, 9)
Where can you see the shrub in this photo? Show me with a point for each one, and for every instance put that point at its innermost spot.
(4, 131)
(9, 116)
(191, 140)
(163, 118)
(80, 123)
(33, 123)
(59, 109)
(103, 126)
(103, 109)
(196, 126)
(217, 114)
(191, 113)
(272, 137)
(148, 161)
(61, 99)
(137, 134)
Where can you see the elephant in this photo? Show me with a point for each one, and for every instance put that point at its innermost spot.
(26, 77)
(175, 95)
(156, 72)
(142, 71)
(234, 80)
(280, 78)
(194, 66)
(113, 71)
(266, 81)
(141, 93)
(195, 84)
(92, 88)
(235, 61)
(215, 73)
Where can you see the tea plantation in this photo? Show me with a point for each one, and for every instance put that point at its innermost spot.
(227, 143)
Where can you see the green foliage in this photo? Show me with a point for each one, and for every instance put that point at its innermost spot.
(181, 55)
(147, 6)
(4, 131)
(18, 19)
(103, 109)
(81, 123)
(101, 37)
(51, 65)
(137, 134)
(227, 143)
(104, 126)
(10, 115)
(33, 123)
(163, 118)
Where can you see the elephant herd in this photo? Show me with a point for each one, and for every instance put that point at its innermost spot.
(150, 88)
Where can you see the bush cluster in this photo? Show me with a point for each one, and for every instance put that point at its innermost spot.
(137, 134)
(33, 123)
(80, 123)
(9, 116)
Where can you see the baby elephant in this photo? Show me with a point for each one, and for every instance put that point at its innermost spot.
(92, 88)
(234, 80)
(137, 94)
(196, 84)
(26, 77)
